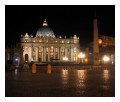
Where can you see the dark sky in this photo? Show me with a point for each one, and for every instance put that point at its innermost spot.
(64, 20)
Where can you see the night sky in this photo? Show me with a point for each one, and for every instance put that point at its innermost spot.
(64, 20)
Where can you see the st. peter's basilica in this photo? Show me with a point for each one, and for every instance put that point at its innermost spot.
(47, 46)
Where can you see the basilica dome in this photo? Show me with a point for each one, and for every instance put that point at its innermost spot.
(45, 30)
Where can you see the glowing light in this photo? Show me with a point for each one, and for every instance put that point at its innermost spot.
(16, 59)
(106, 58)
(86, 60)
(100, 41)
(81, 55)
(65, 58)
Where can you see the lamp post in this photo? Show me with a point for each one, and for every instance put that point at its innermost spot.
(106, 59)
(81, 56)
(16, 62)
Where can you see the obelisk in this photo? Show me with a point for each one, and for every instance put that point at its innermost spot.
(95, 42)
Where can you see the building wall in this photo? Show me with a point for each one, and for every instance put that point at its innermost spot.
(107, 47)
(45, 49)
(106, 41)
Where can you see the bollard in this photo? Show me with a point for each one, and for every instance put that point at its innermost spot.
(34, 68)
(49, 69)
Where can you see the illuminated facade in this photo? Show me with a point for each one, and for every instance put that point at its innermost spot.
(102, 45)
(46, 47)
(107, 47)
(105, 41)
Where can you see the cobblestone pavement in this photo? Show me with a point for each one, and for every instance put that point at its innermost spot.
(60, 83)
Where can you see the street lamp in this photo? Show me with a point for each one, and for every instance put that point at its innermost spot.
(16, 62)
(16, 59)
(81, 56)
(106, 59)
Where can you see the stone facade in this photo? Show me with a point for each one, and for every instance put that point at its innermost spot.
(46, 47)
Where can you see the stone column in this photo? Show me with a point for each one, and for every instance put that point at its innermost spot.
(77, 48)
(58, 52)
(31, 50)
(48, 54)
(44, 54)
(29, 55)
(72, 54)
(36, 53)
(54, 52)
(66, 52)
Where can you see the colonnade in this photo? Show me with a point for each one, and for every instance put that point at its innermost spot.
(46, 53)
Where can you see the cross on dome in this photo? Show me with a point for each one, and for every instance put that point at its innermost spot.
(45, 22)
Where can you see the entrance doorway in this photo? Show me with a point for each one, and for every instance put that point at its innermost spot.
(26, 57)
